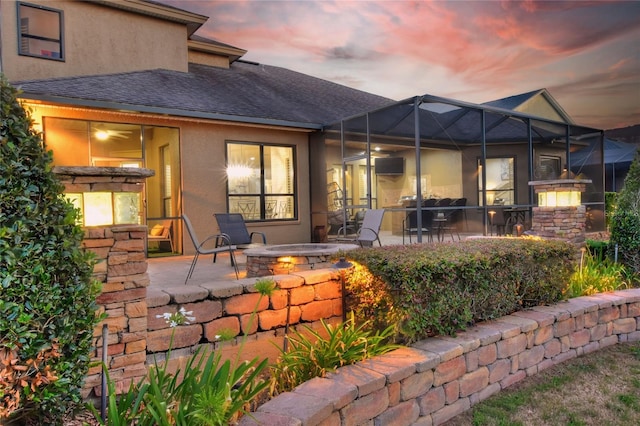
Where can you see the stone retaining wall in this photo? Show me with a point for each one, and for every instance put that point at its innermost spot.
(227, 306)
(441, 377)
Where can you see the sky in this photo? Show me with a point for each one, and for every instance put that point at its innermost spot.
(586, 53)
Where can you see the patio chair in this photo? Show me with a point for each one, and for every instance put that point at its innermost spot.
(410, 224)
(370, 229)
(454, 218)
(199, 246)
(161, 232)
(235, 232)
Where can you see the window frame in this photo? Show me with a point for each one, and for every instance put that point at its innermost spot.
(513, 190)
(27, 36)
(262, 195)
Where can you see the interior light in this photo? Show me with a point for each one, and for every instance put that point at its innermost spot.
(377, 148)
(102, 135)
(559, 198)
(239, 171)
(106, 208)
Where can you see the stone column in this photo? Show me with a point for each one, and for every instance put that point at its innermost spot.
(564, 219)
(121, 268)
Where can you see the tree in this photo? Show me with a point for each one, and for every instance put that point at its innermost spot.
(47, 294)
(625, 223)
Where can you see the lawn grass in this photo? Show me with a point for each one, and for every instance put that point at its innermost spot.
(601, 388)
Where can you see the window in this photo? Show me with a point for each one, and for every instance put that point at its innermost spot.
(40, 31)
(500, 181)
(261, 181)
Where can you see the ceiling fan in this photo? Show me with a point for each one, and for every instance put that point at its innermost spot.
(104, 134)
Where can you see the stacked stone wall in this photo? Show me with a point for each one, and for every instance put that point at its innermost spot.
(121, 269)
(566, 223)
(438, 378)
(235, 308)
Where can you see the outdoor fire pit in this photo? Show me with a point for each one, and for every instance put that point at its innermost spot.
(283, 258)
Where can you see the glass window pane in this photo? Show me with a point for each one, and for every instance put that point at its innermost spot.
(40, 32)
(278, 170)
(126, 207)
(112, 143)
(500, 175)
(243, 168)
(261, 181)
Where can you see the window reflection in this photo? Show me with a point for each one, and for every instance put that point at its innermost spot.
(261, 181)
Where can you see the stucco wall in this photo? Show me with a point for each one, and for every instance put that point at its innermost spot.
(204, 190)
(97, 40)
(202, 151)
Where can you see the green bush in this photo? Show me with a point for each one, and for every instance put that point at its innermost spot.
(440, 289)
(625, 223)
(610, 206)
(625, 234)
(47, 295)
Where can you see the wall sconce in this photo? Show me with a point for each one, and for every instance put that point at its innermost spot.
(106, 208)
(562, 198)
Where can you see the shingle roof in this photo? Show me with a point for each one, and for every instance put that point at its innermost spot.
(244, 92)
(512, 102)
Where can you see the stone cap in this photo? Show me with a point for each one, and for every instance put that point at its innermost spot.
(132, 172)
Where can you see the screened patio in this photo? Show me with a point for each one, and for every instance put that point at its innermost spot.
(426, 152)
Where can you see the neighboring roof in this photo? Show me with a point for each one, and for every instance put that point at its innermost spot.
(245, 92)
(513, 102)
(615, 152)
(522, 101)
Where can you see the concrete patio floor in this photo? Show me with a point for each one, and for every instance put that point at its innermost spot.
(171, 271)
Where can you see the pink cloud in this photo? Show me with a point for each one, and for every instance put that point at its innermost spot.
(473, 50)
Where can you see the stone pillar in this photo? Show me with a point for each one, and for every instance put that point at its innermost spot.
(122, 272)
(565, 218)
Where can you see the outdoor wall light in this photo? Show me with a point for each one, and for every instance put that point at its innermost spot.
(341, 265)
(106, 208)
(562, 198)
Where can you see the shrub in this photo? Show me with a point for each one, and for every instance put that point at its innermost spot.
(312, 355)
(597, 249)
(596, 274)
(610, 206)
(47, 296)
(625, 223)
(440, 289)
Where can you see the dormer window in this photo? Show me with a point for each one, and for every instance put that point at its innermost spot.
(40, 32)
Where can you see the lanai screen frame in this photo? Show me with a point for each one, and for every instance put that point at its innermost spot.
(431, 121)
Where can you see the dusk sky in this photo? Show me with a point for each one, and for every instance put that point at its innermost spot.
(587, 53)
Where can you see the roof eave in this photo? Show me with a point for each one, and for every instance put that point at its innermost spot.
(61, 100)
(193, 21)
(232, 52)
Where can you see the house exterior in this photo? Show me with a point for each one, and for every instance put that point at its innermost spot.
(128, 83)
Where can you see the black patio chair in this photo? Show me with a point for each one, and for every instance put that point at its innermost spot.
(234, 229)
(410, 224)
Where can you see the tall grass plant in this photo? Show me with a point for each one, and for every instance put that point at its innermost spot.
(596, 274)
